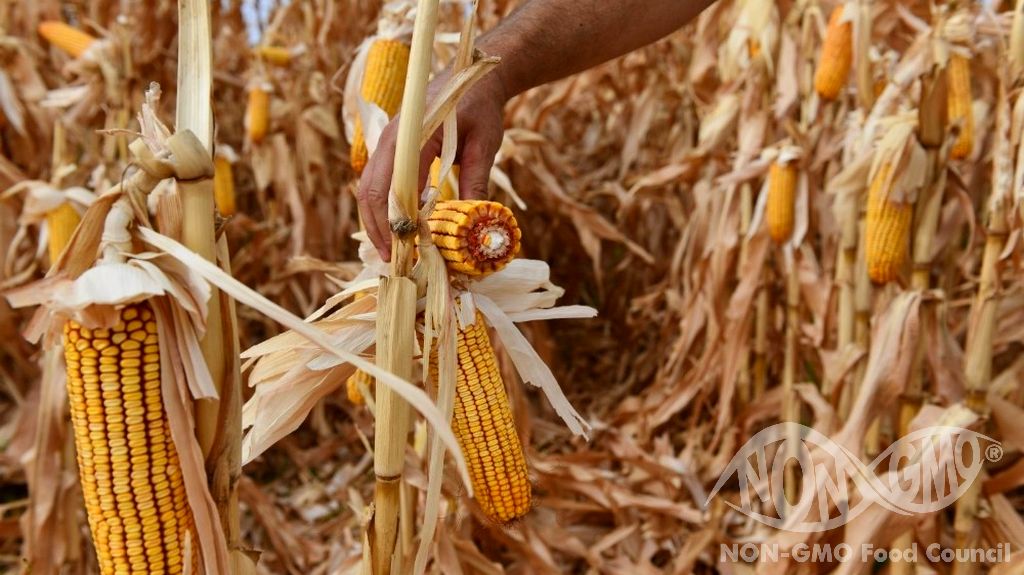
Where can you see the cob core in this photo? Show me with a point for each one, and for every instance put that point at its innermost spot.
(475, 237)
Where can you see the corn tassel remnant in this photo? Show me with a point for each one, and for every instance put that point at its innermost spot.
(887, 230)
(483, 424)
(475, 237)
(61, 222)
(383, 85)
(69, 39)
(836, 57)
(779, 212)
(131, 479)
(961, 105)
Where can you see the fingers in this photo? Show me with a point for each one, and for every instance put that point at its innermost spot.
(431, 150)
(475, 167)
(372, 195)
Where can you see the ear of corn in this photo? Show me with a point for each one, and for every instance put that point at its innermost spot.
(131, 480)
(483, 424)
(223, 186)
(960, 104)
(447, 190)
(836, 56)
(61, 222)
(257, 113)
(887, 231)
(779, 212)
(72, 41)
(352, 386)
(475, 237)
(383, 84)
(276, 55)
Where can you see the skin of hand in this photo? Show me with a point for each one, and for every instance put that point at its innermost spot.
(541, 41)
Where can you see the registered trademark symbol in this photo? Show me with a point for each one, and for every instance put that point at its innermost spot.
(994, 452)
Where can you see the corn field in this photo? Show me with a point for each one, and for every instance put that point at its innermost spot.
(796, 212)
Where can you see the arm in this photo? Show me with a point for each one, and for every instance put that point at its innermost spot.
(541, 41)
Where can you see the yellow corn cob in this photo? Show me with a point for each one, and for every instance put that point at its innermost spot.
(131, 479)
(71, 40)
(355, 393)
(887, 231)
(223, 186)
(276, 55)
(257, 114)
(781, 197)
(836, 56)
(960, 104)
(447, 189)
(475, 237)
(483, 424)
(61, 222)
(383, 85)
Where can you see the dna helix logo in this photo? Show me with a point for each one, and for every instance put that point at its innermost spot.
(922, 472)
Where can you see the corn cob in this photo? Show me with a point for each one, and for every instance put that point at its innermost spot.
(447, 191)
(223, 186)
(887, 230)
(131, 480)
(383, 85)
(483, 424)
(257, 113)
(960, 105)
(475, 237)
(276, 55)
(61, 222)
(781, 197)
(836, 56)
(72, 41)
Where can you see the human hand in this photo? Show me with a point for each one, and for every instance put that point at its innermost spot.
(480, 119)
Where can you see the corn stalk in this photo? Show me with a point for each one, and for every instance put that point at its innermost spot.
(218, 422)
(397, 305)
(978, 355)
(790, 402)
(931, 134)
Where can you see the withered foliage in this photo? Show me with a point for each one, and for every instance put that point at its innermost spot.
(642, 181)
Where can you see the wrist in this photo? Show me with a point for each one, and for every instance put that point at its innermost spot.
(504, 78)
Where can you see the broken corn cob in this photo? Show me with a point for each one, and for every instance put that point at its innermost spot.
(383, 84)
(131, 479)
(779, 213)
(475, 237)
(71, 40)
(887, 231)
(836, 57)
(483, 424)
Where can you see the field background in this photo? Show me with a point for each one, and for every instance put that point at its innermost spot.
(639, 180)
